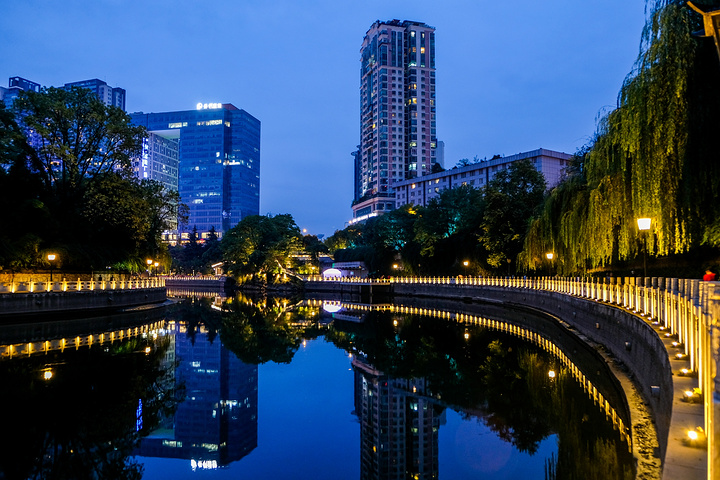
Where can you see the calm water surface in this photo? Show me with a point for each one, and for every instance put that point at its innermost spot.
(227, 389)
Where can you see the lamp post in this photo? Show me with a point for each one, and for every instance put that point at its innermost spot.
(149, 264)
(644, 226)
(51, 258)
(550, 256)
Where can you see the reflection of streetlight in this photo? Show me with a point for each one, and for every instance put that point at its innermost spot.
(644, 226)
(51, 258)
(551, 374)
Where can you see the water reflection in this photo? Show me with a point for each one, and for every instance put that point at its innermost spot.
(115, 393)
(399, 425)
(79, 412)
(216, 424)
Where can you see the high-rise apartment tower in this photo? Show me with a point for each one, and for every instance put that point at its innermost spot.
(397, 112)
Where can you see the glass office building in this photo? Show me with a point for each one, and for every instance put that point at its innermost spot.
(218, 162)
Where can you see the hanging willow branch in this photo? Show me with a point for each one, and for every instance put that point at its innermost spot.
(654, 156)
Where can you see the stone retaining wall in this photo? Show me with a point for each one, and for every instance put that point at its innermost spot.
(630, 339)
(19, 304)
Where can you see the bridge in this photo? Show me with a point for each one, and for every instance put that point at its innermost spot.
(682, 315)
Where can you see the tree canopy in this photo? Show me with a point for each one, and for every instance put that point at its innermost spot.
(653, 156)
(65, 166)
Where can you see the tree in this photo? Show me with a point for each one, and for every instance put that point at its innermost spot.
(72, 185)
(79, 138)
(512, 197)
(261, 245)
(653, 156)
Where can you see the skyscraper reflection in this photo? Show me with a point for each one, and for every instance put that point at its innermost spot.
(399, 424)
(216, 424)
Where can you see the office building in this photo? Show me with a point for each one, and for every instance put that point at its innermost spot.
(420, 191)
(15, 86)
(218, 165)
(397, 112)
(113, 96)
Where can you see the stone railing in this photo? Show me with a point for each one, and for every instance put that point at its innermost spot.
(79, 285)
(685, 309)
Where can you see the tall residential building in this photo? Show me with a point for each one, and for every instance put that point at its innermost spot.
(114, 96)
(397, 111)
(218, 162)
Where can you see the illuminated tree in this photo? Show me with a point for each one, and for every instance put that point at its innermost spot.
(654, 156)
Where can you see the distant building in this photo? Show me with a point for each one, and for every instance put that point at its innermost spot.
(15, 86)
(440, 154)
(114, 96)
(218, 162)
(159, 160)
(420, 191)
(397, 112)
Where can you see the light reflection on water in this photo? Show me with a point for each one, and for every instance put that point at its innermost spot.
(270, 390)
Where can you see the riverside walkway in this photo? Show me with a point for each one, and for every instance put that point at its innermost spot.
(683, 314)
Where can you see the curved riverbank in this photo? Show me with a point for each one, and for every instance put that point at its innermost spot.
(637, 350)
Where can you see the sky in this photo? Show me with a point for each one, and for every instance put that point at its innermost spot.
(511, 76)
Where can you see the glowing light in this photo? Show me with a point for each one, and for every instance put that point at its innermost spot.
(148, 349)
(551, 374)
(466, 263)
(550, 255)
(331, 307)
(332, 272)
(467, 335)
(644, 223)
(692, 434)
(51, 256)
(208, 106)
(47, 374)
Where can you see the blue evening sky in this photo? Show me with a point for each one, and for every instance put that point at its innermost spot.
(511, 76)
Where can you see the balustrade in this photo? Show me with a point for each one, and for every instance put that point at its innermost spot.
(79, 285)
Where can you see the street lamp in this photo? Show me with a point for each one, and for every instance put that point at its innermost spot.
(149, 264)
(51, 258)
(550, 256)
(711, 24)
(644, 226)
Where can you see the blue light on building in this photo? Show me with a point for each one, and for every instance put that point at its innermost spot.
(219, 162)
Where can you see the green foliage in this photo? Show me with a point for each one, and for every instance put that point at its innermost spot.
(71, 187)
(512, 197)
(463, 231)
(654, 156)
(261, 245)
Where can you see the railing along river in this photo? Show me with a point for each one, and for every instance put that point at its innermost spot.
(686, 308)
(80, 285)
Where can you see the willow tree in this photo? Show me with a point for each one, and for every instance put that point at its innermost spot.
(653, 156)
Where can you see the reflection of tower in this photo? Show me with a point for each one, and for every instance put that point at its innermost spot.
(216, 424)
(398, 426)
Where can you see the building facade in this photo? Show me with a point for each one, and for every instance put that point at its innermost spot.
(397, 112)
(114, 96)
(218, 169)
(420, 191)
